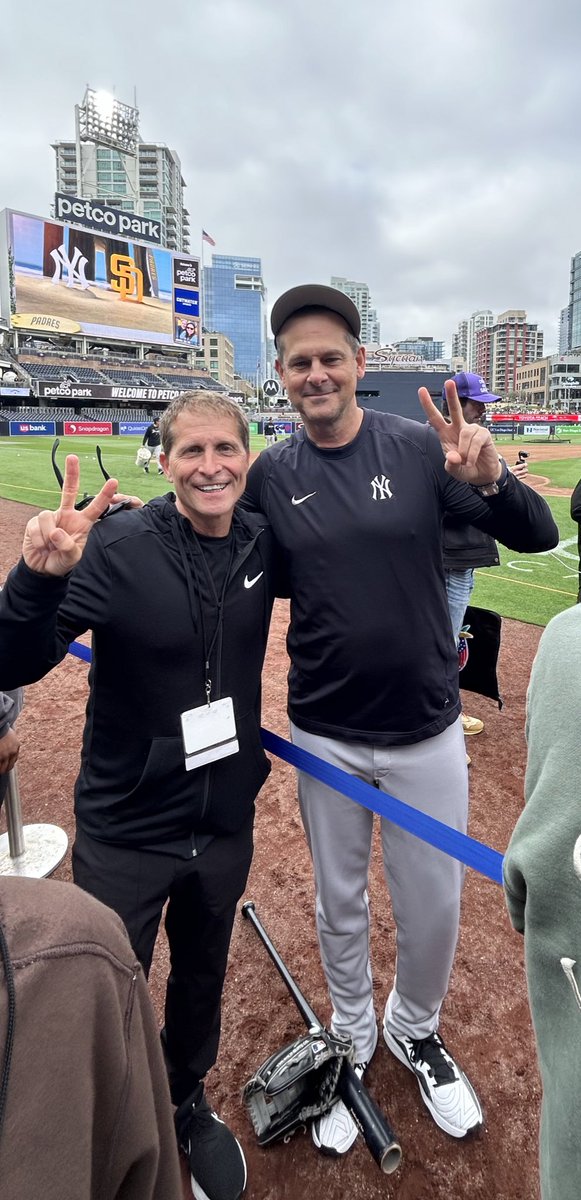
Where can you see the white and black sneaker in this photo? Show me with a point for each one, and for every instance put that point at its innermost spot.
(335, 1132)
(444, 1088)
(215, 1156)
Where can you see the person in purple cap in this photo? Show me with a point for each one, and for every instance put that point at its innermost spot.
(355, 499)
(466, 547)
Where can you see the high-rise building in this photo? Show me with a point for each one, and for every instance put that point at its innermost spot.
(460, 342)
(464, 341)
(508, 344)
(570, 325)
(109, 162)
(359, 294)
(235, 304)
(565, 329)
(481, 319)
(217, 356)
(425, 347)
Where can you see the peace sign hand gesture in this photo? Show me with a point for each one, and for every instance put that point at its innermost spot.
(469, 449)
(54, 541)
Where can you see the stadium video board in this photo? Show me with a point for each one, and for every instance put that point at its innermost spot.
(60, 279)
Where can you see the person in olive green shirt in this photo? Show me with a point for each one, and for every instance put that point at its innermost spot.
(542, 878)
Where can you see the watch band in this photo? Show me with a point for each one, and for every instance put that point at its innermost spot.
(492, 489)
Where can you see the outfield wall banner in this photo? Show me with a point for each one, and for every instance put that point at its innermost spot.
(536, 430)
(28, 428)
(74, 428)
(104, 285)
(104, 391)
(532, 418)
(132, 427)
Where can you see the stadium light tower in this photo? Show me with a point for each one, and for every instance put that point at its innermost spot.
(103, 120)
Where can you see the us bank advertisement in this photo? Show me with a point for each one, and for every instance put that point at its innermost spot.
(57, 278)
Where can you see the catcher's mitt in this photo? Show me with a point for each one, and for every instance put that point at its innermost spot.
(296, 1084)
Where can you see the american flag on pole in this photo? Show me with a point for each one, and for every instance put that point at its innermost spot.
(206, 238)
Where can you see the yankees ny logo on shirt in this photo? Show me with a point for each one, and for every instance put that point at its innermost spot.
(380, 488)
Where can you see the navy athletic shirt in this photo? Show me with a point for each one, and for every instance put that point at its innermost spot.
(370, 641)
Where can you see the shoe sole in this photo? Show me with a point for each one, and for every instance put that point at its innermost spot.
(451, 1130)
(197, 1189)
(342, 1148)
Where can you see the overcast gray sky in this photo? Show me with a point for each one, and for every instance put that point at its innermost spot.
(430, 149)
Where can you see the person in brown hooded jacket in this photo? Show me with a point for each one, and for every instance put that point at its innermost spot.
(85, 1112)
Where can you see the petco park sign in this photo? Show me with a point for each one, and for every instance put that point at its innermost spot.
(104, 219)
(104, 391)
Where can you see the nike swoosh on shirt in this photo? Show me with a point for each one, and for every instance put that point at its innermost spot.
(301, 499)
(248, 583)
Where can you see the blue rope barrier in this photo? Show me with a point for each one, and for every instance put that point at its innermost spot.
(458, 845)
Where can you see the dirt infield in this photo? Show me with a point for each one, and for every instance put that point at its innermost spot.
(485, 1018)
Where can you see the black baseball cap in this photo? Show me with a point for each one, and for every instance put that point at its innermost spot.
(314, 295)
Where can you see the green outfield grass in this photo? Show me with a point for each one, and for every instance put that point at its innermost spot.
(531, 588)
(535, 587)
(562, 472)
(26, 472)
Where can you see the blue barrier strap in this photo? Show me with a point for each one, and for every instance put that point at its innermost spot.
(474, 854)
(466, 849)
(80, 651)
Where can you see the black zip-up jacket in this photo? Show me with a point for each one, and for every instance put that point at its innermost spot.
(576, 515)
(467, 547)
(138, 588)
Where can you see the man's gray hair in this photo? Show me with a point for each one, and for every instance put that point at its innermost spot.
(201, 401)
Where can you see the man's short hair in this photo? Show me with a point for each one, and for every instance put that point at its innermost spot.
(202, 401)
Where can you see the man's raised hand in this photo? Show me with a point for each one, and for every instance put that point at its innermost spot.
(54, 541)
(469, 450)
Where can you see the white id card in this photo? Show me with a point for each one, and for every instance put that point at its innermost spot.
(209, 733)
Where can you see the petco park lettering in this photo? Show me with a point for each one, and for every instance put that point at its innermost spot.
(101, 217)
(65, 389)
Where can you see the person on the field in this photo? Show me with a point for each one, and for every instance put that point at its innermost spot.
(82, 1067)
(172, 757)
(270, 432)
(355, 499)
(152, 440)
(542, 880)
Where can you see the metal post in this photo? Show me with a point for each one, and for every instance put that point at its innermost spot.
(14, 815)
(34, 851)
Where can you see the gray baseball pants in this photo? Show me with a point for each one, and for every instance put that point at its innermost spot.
(425, 884)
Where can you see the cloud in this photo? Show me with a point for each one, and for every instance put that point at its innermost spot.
(430, 150)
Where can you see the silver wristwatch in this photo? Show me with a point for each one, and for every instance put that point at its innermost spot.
(492, 489)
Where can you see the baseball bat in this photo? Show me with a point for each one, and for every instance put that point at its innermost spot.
(377, 1132)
